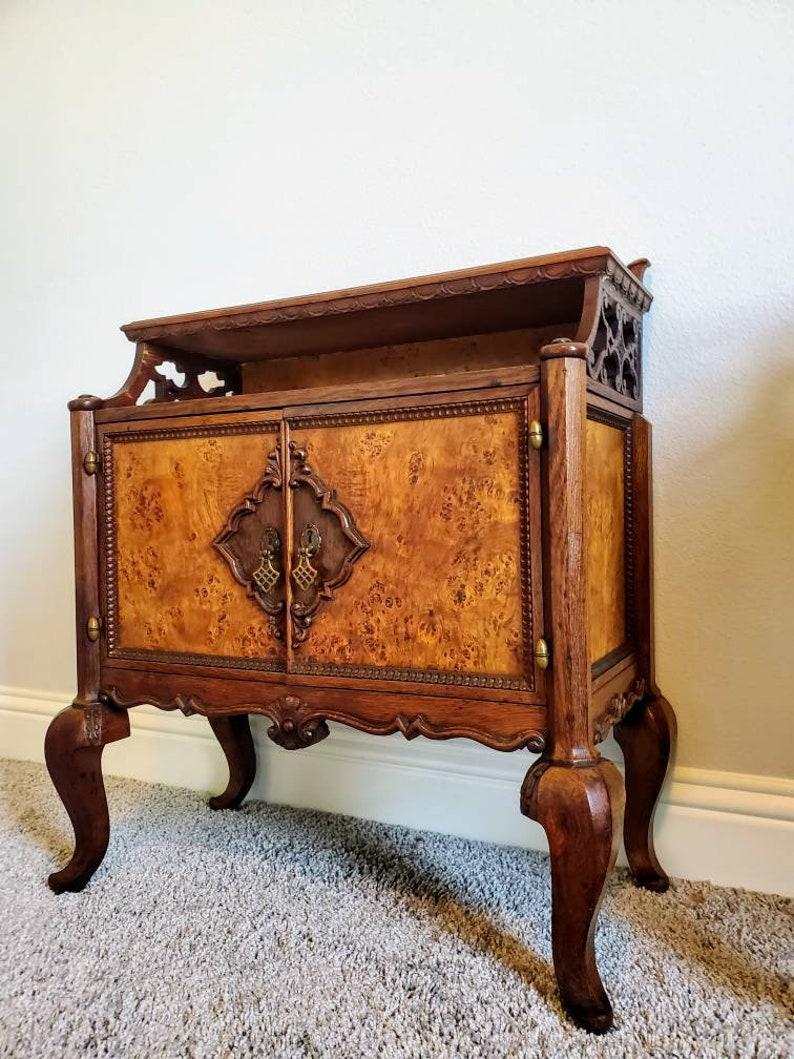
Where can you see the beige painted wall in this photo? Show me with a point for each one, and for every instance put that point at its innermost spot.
(160, 157)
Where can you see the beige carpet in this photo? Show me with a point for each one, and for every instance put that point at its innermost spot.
(276, 932)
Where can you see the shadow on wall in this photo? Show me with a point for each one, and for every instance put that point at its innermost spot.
(724, 581)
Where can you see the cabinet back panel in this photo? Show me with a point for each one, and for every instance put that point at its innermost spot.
(606, 581)
(440, 501)
(171, 497)
(407, 360)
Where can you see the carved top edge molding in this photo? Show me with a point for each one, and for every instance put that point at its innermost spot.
(599, 261)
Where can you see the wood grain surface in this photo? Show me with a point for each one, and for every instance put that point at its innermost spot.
(439, 501)
(404, 361)
(176, 593)
(605, 480)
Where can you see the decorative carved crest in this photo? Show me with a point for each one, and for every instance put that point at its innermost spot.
(295, 725)
(613, 358)
(252, 547)
(325, 560)
(253, 550)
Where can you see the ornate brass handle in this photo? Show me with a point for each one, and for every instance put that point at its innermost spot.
(267, 573)
(303, 573)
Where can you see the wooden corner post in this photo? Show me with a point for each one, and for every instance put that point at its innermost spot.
(575, 794)
(77, 735)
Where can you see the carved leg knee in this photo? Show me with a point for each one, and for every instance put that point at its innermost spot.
(234, 734)
(580, 809)
(73, 752)
(646, 736)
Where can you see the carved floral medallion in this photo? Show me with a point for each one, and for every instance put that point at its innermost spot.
(320, 559)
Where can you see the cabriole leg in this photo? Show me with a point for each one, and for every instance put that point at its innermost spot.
(580, 808)
(646, 736)
(73, 752)
(234, 734)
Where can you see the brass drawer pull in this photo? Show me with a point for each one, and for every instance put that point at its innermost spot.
(267, 573)
(303, 573)
(92, 628)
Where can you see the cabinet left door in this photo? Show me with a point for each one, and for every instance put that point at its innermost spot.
(191, 509)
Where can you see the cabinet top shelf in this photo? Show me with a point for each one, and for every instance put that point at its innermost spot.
(528, 292)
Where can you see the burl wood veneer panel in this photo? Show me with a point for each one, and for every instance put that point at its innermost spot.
(176, 593)
(606, 598)
(440, 587)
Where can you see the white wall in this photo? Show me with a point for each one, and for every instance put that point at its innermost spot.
(164, 157)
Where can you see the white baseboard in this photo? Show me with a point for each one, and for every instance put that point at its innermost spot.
(728, 827)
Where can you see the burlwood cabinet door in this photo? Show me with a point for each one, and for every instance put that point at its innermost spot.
(192, 541)
(415, 542)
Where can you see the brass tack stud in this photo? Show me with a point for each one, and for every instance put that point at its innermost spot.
(92, 628)
(542, 654)
(535, 434)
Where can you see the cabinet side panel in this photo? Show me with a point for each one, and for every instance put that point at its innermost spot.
(606, 544)
(441, 502)
(171, 496)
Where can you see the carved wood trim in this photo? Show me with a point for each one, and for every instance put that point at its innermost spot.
(422, 289)
(639, 267)
(613, 419)
(419, 676)
(108, 545)
(273, 664)
(405, 413)
(614, 355)
(145, 369)
(296, 724)
(92, 719)
(616, 709)
(451, 409)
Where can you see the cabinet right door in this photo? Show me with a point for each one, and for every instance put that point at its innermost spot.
(415, 542)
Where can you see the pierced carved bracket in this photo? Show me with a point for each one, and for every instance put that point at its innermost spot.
(146, 369)
(613, 356)
(251, 545)
(334, 561)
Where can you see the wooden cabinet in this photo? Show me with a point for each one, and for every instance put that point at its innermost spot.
(410, 507)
